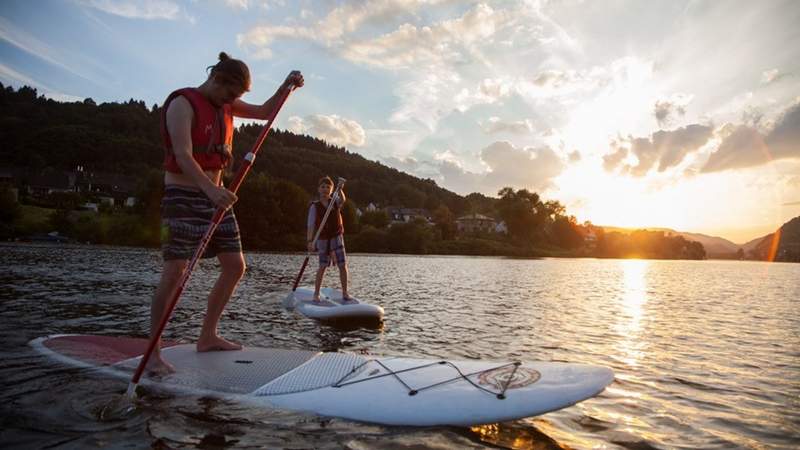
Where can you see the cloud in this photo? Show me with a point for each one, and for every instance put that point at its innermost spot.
(488, 91)
(494, 125)
(612, 160)
(554, 83)
(334, 30)
(784, 139)
(771, 76)
(239, 4)
(333, 129)
(28, 43)
(744, 146)
(666, 109)
(144, 9)
(452, 41)
(741, 147)
(430, 56)
(531, 168)
(664, 148)
(11, 76)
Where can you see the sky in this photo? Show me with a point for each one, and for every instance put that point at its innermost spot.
(678, 114)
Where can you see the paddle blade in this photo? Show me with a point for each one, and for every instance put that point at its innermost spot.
(290, 301)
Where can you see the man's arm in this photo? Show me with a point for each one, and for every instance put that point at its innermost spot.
(246, 110)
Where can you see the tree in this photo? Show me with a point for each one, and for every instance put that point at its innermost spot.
(412, 237)
(522, 212)
(350, 217)
(445, 222)
(377, 219)
(405, 195)
(9, 208)
(567, 233)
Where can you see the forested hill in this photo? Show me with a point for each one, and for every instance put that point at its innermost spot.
(124, 138)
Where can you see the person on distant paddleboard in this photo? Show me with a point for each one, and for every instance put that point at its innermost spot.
(330, 245)
(197, 129)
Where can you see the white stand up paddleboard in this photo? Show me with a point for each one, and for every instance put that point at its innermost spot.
(331, 305)
(385, 390)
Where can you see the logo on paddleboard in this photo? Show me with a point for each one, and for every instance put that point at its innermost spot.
(514, 379)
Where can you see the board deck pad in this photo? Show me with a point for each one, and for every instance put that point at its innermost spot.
(237, 372)
(367, 388)
(331, 306)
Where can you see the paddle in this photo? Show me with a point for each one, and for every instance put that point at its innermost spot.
(334, 197)
(247, 162)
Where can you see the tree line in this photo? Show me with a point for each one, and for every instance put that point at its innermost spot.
(41, 134)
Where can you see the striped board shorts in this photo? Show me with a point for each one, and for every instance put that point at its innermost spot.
(186, 214)
(328, 247)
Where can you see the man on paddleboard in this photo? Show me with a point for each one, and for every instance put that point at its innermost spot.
(197, 129)
(330, 244)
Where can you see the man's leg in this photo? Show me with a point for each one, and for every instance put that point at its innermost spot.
(170, 276)
(233, 268)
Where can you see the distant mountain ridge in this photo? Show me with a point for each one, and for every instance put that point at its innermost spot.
(718, 247)
(781, 246)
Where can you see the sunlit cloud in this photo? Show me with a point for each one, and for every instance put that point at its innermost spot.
(507, 165)
(333, 129)
(495, 125)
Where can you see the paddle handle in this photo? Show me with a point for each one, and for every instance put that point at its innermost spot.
(247, 162)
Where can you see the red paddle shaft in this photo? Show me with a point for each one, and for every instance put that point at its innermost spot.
(216, 219)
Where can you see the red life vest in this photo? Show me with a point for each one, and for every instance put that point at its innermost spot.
(212, 132)
(334, 226)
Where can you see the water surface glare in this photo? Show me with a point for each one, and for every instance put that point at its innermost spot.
(706, 353)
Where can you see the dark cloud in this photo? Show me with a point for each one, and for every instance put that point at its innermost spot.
(674, 145)
(663, 148)
(665, 109)
(784, 139)
(744, 146)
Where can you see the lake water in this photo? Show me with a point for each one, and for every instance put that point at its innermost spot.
(706, 353)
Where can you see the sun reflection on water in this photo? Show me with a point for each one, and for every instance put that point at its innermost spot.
(634, 297)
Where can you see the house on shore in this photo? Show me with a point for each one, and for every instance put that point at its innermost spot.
(405, 215)
(474, 223)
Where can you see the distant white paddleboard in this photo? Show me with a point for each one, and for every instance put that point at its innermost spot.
(331, 305)
(385, 390)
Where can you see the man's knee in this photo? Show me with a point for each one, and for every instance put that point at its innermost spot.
(234, 267)
(173, 269)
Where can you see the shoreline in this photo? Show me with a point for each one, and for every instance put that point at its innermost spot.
(379, 254)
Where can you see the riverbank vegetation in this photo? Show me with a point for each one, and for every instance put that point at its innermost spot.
(82, 143)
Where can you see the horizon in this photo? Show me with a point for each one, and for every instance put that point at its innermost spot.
(680, 115)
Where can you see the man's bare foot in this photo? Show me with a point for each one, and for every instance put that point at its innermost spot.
(216, 343)
(157, 366)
